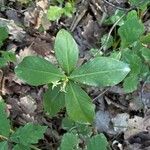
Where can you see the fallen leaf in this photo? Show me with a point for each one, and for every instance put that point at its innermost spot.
(27, 51)
(102, 122)
(16, 32)
(136, 125)
(120, 122)
(42, 4)
(28, 104)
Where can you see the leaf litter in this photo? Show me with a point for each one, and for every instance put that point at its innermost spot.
(25, 102)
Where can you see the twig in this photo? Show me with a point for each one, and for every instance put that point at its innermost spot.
(117, 7)
(99, 95)
(109, 34)
(79, 14)
(116, 104)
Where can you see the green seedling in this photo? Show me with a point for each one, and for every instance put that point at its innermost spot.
(56, 12)
(67, 79)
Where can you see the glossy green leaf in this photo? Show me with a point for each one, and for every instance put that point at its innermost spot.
(130, 83)
(130, 31)
(4, 145)
(29, 134)
(54, 13)
(78, 104)
(66, 50)
(4, 122)
(101, 71)
(37, 71)
(54, 100)
(98, 142)
(146, 54)
(21, 147)
(69, 142)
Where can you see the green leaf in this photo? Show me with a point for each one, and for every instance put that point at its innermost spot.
(1, 44)
(145, 39)
(75, 127)
(4, 145)
(115, 55)
(4, 34)
(54, 100)
(3, 62)
(54, 13)
(130, 31)
(107, 44)
(96, 52)
(133, 60)
(98, 142)
(69, 9)
(130, 83)
(136, 47)
(29, 134)
(78, 104)
(101, 71)
(139, 3)
(132, 14)
(21, 147)
(66, 50)
(67, 123)
(8, 56)
(146, 54)
(69, 142)
(4, 122)
(115, 17)
(84, 130)
(145, 71)
(37, 71)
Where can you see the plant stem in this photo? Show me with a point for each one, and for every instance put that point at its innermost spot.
(33, 147)
(3, 137)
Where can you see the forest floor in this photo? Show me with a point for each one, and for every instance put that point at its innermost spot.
(123, 117)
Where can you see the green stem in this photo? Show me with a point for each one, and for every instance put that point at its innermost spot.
(33, 147)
